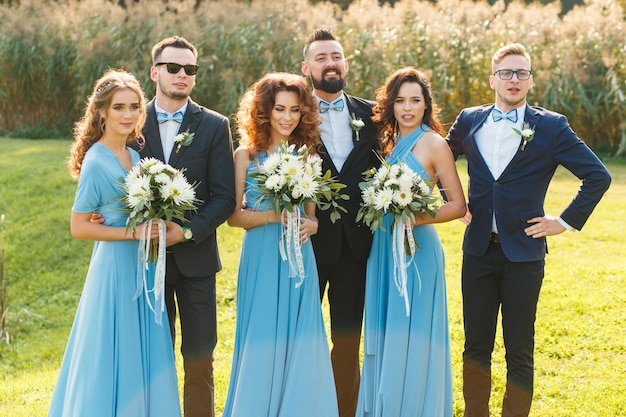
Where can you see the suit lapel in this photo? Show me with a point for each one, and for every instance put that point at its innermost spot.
(355, 111)
(479, 119)
(531, 117)
(189, 124)
(152, 135)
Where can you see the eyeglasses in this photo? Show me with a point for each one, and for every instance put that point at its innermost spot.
(174, 68)
(507, 74)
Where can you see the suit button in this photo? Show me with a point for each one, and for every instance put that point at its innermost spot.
(496, 185)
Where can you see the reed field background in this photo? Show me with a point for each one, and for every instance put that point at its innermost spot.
(580, 345)
(52, 51)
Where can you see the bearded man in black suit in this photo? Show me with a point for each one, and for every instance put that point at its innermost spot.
(341, 248)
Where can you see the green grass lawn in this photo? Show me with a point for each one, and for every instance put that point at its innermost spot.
(580, 356)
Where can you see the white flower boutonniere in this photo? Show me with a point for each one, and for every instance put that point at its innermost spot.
(527, 134)
(183, 139)
(356, 124)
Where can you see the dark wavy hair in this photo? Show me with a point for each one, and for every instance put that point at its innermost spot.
(90, 128)
(386, 96)
(255, 109)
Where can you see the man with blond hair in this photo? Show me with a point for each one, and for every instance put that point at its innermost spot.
(512, 151)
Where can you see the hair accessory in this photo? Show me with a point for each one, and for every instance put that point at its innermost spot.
(103, 87)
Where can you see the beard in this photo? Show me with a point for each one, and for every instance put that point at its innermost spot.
(329, 86)
(172, 93)
(175, 95)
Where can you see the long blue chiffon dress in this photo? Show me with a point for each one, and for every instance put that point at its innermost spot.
(118, 361)
(407, 369)
(281, 362)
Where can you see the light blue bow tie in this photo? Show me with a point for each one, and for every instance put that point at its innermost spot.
(335, 105)
(166, 117)
(511, 115)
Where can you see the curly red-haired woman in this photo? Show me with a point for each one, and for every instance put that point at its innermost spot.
(281, 362)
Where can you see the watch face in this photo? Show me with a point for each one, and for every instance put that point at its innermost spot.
(188, 234)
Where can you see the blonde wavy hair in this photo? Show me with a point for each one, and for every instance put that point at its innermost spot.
(90, 128)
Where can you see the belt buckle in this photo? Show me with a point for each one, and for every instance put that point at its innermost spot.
(494, 238)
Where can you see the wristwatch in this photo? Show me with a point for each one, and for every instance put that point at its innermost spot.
(187, 234)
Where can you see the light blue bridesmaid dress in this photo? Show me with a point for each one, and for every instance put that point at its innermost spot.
(407, 369)
(281, 362)
(118, 361)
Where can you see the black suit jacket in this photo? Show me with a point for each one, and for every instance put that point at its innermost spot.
(519, 194)
(327, 242)
(207, 161)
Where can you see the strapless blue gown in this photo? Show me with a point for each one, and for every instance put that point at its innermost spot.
(407, 369)
(281, 362)
(118, 361)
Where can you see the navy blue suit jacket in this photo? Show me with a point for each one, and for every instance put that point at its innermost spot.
(207, 161)
(519, 194)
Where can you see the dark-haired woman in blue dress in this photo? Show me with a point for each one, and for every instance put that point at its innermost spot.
(407, 368)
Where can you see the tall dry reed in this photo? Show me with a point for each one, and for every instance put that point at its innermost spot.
(50, 53)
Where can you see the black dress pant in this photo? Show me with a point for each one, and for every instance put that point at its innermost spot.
(492, 283)
(346, 295)
(195, 299)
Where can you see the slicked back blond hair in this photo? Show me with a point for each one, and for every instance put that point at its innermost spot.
(511, 49)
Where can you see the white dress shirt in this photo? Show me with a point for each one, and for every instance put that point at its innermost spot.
(336, 133)
(498, 143)
(168, 131)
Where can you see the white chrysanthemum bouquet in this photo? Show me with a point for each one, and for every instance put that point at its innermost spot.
(155, 190)
(397, 189)
(291, 179)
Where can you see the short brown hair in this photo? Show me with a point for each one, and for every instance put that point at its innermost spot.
(174, 42)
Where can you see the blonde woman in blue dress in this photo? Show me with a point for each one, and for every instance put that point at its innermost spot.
(118, 361)
(281, 361)
(407, 366)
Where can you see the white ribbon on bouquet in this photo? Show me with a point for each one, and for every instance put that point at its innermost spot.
(290, 245)
(403, 233)
(143, 265)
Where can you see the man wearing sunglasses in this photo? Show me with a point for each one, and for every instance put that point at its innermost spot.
(512, 151)
(207, 160)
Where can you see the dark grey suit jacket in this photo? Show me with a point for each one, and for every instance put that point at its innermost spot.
(207, 161)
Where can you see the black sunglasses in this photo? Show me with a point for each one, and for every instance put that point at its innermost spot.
(174, 68)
